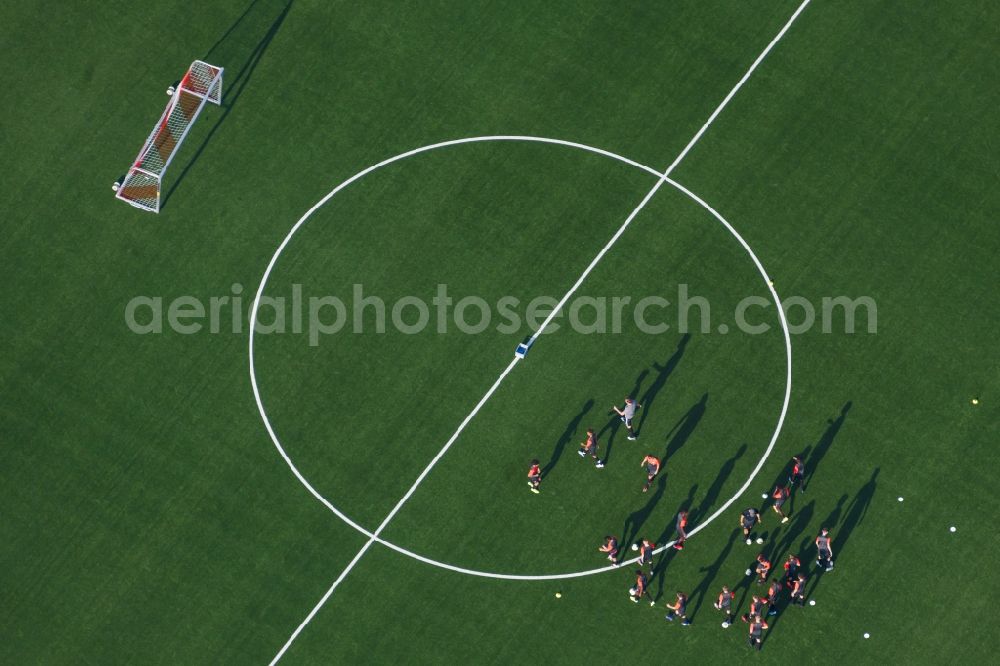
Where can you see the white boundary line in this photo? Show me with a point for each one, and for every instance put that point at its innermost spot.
(664, 177)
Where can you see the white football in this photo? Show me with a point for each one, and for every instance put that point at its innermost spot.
(763, 495)
(760, 540)
(635, 546)
(812, 602)
(748, 572)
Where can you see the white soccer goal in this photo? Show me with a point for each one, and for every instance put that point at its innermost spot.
(141, 186)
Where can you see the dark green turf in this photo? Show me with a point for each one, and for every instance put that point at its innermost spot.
(147, 516)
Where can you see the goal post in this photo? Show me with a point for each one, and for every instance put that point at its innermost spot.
(141, 186)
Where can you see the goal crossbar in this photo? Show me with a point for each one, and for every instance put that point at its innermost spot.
(141, 186)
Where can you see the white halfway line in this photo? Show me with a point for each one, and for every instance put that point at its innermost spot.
(395, 509)
(451, 440)
(666, 174)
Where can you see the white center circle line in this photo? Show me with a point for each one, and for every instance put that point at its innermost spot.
(464, 570)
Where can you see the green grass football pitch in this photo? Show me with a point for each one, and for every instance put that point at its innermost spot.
(147, 514)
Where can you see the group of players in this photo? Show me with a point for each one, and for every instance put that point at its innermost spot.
(589, 448)
(762, 606)
(794, 578)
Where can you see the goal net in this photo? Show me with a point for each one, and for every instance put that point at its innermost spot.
(141, 186)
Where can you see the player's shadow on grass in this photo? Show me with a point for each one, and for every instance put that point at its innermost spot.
(777, 549)
(660, 571)
(698, 594)
(663, 372)
(238, 51)
(671, 526)
(684, 427)
(713, 491)
(743, 587)
(854, 514)
(566, 437)
(823, 445)
(615, 422)
(670, 553)
(635, 521)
